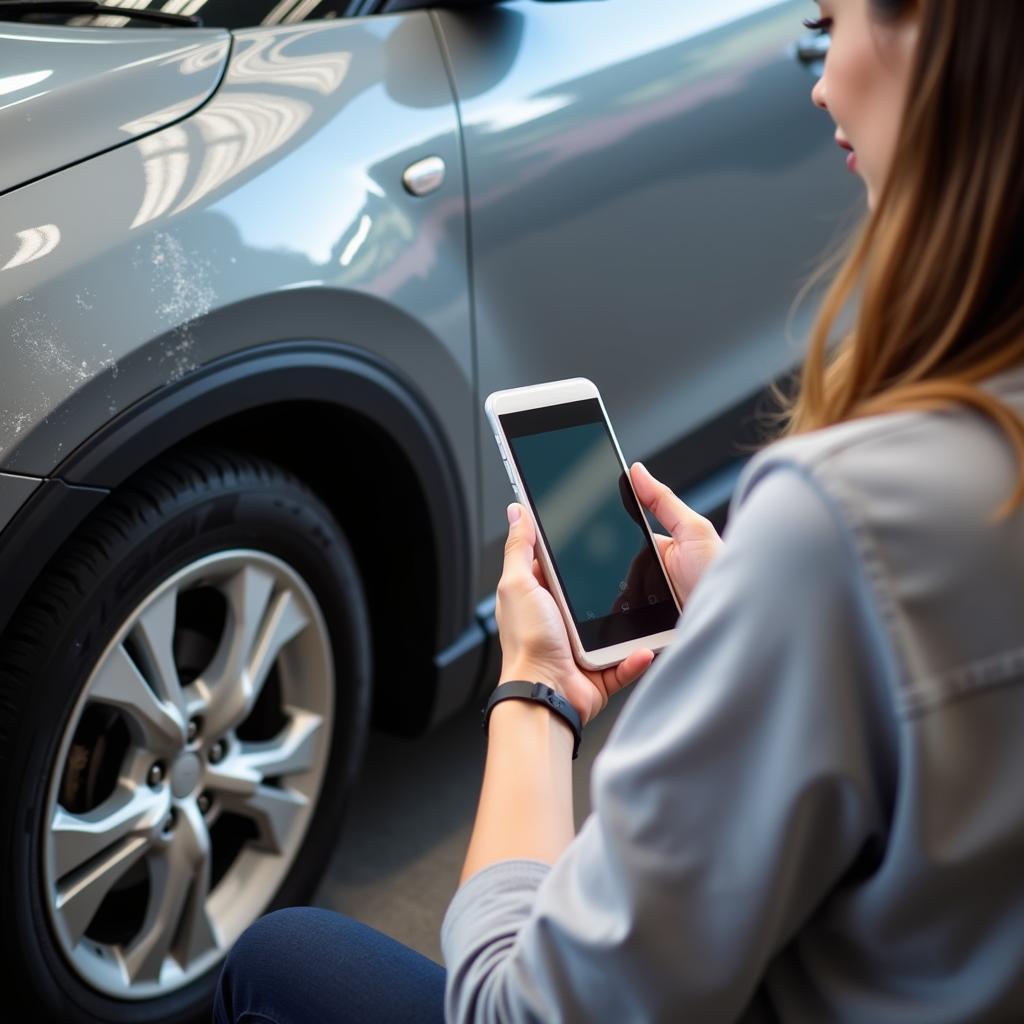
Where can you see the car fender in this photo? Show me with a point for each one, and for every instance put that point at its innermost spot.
(277, 210)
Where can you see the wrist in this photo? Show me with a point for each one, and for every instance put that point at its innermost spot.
(523, 719)
(534, 671)
(541, 697)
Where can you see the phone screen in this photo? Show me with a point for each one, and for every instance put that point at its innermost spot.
(591, 523)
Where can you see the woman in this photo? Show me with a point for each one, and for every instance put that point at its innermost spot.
(810, 810)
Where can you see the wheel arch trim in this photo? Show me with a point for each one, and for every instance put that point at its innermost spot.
(329, 373)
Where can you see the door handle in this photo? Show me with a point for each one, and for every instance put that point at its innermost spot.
(424, 176)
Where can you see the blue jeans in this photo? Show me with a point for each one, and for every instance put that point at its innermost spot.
(304, 965)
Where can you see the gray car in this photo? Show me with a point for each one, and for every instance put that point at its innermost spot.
(256, 277)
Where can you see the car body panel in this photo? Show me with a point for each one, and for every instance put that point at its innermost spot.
(208, 247)
(69, 93)
(650, 185)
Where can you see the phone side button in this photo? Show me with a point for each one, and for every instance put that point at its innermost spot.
(508, 471)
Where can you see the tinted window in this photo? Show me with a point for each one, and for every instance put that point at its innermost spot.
(214, 13)
(245, 13)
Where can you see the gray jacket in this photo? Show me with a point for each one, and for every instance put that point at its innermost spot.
(812, 807)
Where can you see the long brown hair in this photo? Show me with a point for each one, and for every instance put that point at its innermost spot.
(939, 264)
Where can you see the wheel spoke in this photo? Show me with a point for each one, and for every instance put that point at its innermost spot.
(248, 593)
(260, 625)
(285, 622)
(80, 895)
(153, 722)
(196, 932)
(239, 780)
(179, 885)
(292, 751)
(274, 811)
(78, 838)
(154, 633)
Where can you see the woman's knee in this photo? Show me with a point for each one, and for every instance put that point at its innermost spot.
(268, 962)
(305, 963)
(272, 940)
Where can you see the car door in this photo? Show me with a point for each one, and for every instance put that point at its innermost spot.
(649, 186)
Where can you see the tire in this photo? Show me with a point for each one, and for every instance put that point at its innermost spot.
(129, 918)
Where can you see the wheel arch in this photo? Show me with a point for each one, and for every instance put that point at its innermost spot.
(346, 424)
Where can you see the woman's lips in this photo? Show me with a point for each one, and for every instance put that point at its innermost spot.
(851, 156)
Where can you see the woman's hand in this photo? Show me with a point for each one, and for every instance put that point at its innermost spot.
(693, 543)
(534, 642)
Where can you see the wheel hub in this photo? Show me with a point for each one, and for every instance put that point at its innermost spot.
(185, 775)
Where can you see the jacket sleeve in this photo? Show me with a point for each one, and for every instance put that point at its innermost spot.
(743, 779)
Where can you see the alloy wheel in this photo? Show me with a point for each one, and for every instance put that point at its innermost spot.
(188, 773)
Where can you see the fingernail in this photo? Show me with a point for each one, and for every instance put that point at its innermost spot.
(643, 468)
(514, 512)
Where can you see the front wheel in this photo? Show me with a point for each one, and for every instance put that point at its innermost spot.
(187, 696)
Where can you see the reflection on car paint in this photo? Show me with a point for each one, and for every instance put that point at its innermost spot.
(266, 59)
(235, 133)
(15, 83)
(66, 95)
(239, 127)
(34, 244)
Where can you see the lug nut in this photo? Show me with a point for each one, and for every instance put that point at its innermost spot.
(155, 775)
(193, 729)
(203, 802)
(217, 751)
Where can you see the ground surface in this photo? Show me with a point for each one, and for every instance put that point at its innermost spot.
(398, 860)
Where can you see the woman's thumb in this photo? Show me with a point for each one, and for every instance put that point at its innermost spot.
(643, 483)
(674, 515)
(519, 546)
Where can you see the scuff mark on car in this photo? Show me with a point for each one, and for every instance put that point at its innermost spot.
(184, 293)
(46, 357)
(35, 334)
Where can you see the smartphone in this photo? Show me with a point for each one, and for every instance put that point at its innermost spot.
(594, 543)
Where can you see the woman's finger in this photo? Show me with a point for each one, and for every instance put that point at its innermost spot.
(674, 514)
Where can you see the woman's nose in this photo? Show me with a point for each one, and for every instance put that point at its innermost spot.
(818, 94)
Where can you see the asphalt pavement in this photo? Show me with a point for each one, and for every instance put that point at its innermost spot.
(400, 853)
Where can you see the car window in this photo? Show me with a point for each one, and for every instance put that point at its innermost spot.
(229, 14)
(245, 13)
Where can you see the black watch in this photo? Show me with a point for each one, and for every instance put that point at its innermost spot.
(521, 690)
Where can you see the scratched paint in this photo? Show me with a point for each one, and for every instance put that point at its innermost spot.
(182, 290)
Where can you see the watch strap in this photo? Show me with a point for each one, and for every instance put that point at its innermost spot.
(521, 689)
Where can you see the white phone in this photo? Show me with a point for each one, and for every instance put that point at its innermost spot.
(593, 540)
